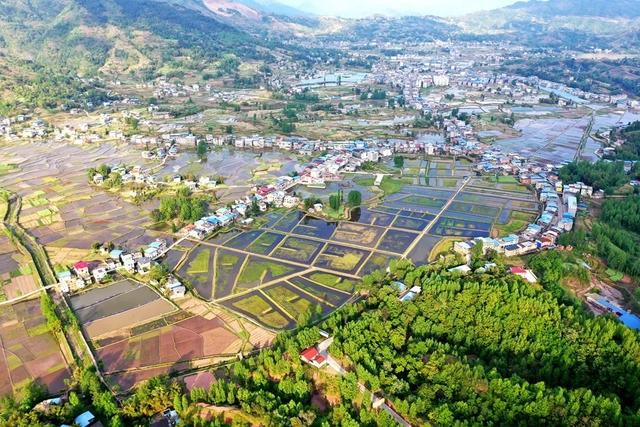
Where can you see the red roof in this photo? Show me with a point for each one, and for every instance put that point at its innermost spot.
(319, 358)
(310, 353)
(517, 270)
(80, 265)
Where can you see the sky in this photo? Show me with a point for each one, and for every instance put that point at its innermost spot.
(362, 8)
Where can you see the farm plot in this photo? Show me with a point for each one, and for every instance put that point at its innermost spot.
(228, 265)
(17, 272)
(192, 338)
(396, 241)
(198, 270)
(105, 310)
(172, 258)
(288, 222)
(325, 294)
(295, 302)
(332, 280)
(266, 243)
(28, 350)
(221, 238)
(358, 234)
(341, 258)
(455, 227)
(257, 271)
(257, 307)
(420, 253)
(473, 208)
(298, 249)
(244, 239)
(272, 218)
(376, 261)
(368, 216)
(416, 224)
(314, 227)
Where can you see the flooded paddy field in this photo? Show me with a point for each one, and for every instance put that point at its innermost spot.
(296, 263)
(547, 140)
(59, 207)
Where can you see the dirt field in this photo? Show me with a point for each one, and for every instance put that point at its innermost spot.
(137, 315)
(165, 349)
(28, 350)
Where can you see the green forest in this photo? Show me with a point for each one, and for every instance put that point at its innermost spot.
(480, 349)
(630, 149)
(614, 236)
(602, 175)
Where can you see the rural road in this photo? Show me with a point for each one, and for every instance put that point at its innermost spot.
(28, 294)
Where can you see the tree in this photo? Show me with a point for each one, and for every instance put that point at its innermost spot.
(335, 200)
(201, 150)
(398, 162)
(355, 198)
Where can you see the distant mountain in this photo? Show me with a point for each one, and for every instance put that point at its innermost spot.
(560, 23)
(594, 8)
(88, 36)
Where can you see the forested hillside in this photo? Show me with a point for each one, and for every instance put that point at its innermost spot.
(46, 42)
(480, 349)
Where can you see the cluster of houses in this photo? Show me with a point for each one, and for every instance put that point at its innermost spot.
(558, 216)
(264, 197)
(83, 273)
(134, 174)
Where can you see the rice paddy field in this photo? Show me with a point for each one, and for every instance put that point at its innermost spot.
(29, 351)
(61, 210)
(295, 263)
(548, 140)
(18, 276)
(249, 283)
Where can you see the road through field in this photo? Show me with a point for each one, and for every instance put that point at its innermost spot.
(435, 219)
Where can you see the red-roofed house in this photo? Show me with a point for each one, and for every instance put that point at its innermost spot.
(313, 357)
(81, 268)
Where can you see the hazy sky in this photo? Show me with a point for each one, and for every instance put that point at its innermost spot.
(361, 8)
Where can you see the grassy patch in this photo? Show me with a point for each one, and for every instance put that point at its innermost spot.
(517, 221)
(200, 263)
(614, 275)
(443, 246)
(333, 281)
(255, 272)
(424, 201)
(389, 185)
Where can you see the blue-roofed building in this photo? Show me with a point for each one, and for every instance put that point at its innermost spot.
(85, 419)
(155, 245)
(213, 220)
(628, 319)
(116, 253)
(64, 275)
